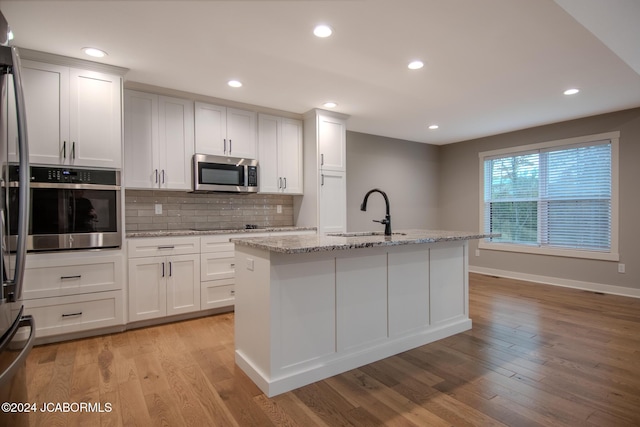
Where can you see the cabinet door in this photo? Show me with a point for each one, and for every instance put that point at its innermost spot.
(290, 154)
(147, 288)
(333, 202)
(175, 142)
(268, 136)
(210, 129)
(95, 119)
(141, 140)
(241, 133)
(332, 143)
(46, 93)
(183, 284)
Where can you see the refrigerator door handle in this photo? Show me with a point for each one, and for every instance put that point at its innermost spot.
(23, 190)
(8, 373)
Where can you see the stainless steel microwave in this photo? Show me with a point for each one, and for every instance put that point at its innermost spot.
(225, 174)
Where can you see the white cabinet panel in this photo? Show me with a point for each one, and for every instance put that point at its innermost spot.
(217, 265)
(183, 284)
(217, 293)
(73, 116)
(408, 290)
(95, 119)
(280, 154)
(75, 313)
(147, 289)
(332, 143)
(333, 202)
(448, 283)
(361, 300)
(225, 131)
(159, 141)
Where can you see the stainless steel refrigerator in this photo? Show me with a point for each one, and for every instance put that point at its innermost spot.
(17, 331)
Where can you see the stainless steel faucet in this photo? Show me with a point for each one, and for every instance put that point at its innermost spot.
(387, 219)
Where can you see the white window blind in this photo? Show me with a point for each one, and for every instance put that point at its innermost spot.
(555, 197)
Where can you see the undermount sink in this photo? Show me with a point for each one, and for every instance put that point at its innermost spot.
(363, 234)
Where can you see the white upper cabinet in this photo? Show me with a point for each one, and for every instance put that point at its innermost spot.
(73, 115)
(332, 142)
(158, 141)
(225, 131)
(280, 154)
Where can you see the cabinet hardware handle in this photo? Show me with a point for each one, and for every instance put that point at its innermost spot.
(321, 159)
(279, 182)
(70, 277)
(233, 265)
(322, 181)
(163, 269)
(225, 145)
(72, 314)
(64, 149)
(285, 182)
(232, 292)
(167, 247)
(163, 176)
(170, 269)
(229, 146)
(73, 150)
(156, 173)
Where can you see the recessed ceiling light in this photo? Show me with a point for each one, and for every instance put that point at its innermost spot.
(415, 65)
(571, 91)
(322, 31)
(96, 53)
(433, 127)
(330, 104)
(234, 83)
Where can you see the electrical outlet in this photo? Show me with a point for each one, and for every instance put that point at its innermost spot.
(278, 208)
(250, 264)
(158, 209)
(477, 252)
(620, 268)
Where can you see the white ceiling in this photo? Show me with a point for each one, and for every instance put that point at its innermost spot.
(491, 66)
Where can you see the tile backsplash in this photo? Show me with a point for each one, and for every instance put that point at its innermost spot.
(182, 210)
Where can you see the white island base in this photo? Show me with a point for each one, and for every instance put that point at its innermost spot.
(303, 317)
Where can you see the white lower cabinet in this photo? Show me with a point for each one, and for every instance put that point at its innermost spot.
(75, 313)
(165, 284)
(74, 292)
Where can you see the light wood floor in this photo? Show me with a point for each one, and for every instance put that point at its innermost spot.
(536, 356)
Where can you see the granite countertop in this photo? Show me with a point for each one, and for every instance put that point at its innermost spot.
(338, 241)
(190, 232)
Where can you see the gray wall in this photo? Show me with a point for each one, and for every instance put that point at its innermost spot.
(406, 171)
(459, 199)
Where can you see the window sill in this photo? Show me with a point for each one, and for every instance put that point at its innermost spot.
(535, 250)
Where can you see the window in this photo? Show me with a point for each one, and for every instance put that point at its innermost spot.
(556, 198)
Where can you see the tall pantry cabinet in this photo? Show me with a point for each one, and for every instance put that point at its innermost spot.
(324, 204)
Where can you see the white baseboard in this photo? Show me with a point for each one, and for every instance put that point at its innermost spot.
(567, 283)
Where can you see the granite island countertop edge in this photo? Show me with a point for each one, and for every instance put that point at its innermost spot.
(324, 243)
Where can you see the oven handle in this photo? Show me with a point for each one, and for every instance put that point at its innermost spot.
(9, 372)
(65, 186)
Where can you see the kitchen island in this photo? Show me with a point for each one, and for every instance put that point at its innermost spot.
(309, 307)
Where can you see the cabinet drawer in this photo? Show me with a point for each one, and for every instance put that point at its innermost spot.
(160, 246)
(217, 293)
(58, 276)
(217, 265)
(62, 315)
(221, 242)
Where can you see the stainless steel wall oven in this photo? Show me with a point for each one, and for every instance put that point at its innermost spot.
(70, 208)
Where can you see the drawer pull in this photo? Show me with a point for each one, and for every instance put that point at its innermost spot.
(72, 314)
(232, 292)
(167, 247)
(70, 277)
